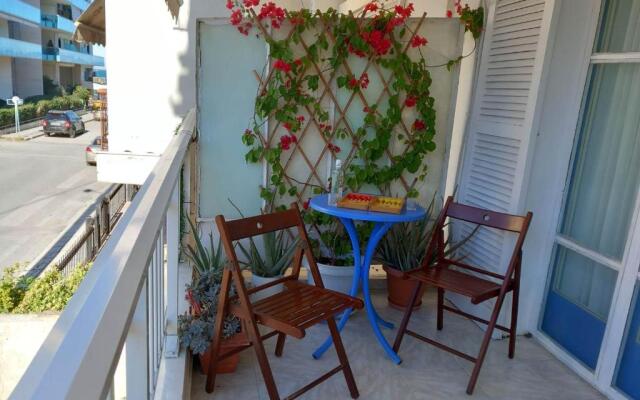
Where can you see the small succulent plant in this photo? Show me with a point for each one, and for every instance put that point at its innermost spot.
(195, 329)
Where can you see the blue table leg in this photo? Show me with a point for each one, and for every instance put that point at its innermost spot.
(378, 232)
(362, 274)
(355, 283)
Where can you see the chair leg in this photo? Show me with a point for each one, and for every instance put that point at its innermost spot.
(280, 344)
(485, 344)
(440, 308)
(514, 322)
(405, 319)
(342, 356)
(263, 361)
(213, 359)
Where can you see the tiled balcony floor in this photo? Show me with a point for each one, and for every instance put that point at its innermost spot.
(425, 373)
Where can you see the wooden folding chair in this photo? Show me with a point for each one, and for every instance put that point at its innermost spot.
(289, 312)
(472, 285)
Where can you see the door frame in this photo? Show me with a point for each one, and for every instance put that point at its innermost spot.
(628, 268)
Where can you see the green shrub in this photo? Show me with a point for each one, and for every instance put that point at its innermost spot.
(76, 102)
(82, 93)
(43, 106)
(27, 112)
(6, 117)
(12, 288)
(51, 292)
(49, 87)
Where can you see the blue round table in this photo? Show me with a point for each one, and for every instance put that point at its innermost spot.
(383, 221)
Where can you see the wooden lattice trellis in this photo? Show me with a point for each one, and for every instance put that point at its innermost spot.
(302, 155)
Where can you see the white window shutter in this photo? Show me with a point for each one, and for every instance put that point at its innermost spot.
(502, 126)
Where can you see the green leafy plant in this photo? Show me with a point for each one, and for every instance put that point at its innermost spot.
(205, 259)
(12, 288)
(405, 245)
(49, 292)
(37, 106)
(195, 328)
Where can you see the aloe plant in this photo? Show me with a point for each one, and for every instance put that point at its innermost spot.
(205, 259)
(405, 245)
(278, 254)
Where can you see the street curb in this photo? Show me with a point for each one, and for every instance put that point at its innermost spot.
(33, 269)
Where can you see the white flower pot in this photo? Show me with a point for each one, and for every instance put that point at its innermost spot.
(334, 278)
(260, 280)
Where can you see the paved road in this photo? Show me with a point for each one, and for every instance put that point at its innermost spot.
(44, 183)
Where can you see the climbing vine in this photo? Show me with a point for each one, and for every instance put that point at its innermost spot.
(380, 35)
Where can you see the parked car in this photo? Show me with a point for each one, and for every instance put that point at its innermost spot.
(90, 151)
(67, 122)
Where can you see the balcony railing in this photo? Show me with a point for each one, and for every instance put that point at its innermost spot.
(72, 55)
(19, 48)
(129, 298)
(57, 22)
(21, 10)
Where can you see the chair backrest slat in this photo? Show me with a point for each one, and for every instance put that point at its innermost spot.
(492, 219)
(261, 224)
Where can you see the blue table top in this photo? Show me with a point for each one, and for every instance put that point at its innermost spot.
(321, 203)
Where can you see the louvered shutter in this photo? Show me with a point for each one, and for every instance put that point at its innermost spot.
(502, 125)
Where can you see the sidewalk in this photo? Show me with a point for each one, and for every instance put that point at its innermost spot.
(32, 133)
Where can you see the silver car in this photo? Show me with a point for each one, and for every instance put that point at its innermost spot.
(90, 151)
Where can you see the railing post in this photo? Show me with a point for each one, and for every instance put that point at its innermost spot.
(89, 226)
(137, 350)
(173, 251)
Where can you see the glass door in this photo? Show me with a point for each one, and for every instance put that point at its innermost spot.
(595, 234)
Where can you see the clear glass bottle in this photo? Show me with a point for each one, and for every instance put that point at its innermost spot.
(337, 183)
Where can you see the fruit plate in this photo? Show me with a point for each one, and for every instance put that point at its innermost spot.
(356, 201)
(392, 205)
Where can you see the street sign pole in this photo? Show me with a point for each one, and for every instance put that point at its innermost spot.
(15, 101)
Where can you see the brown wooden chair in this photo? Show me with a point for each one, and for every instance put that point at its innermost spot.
(290, 312)
(477, 283)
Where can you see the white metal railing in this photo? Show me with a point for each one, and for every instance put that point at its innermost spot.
(129, 299)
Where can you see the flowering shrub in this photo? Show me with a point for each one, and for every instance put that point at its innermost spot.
(380, 35)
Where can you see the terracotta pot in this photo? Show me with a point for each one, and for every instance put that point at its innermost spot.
(399, 290)
(229, 364)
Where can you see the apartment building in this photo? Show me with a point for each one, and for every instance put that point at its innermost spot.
(36, 41)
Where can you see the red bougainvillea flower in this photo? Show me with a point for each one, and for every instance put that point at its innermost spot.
(286, 141)
(418, 41)
(251, 3)
(282, 66)
(230, 4)
(353, 82)
(458, 5)
(373, 7)
(298, 62)
(300, 118)
(236, 17)
(449, 14)
(377, 41)
(305, 205)
(274, 13)
(410, 101)
(245, 28)
(418, 125)
(333, 148)
(404, 12)
(355, 51)
(287, 126)
(364, 80)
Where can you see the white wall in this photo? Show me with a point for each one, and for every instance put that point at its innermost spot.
(27, 73)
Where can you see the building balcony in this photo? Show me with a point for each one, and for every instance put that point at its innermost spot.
(57, 22)
(20, 10)
(81, 4)
(19, 49)
(124, 314)
(71, 55)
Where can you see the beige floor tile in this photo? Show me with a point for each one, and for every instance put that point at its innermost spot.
(425, 373)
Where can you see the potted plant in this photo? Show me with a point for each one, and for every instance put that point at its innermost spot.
(402, 249)
(333, 251)
(271, 263)
(195, 328)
